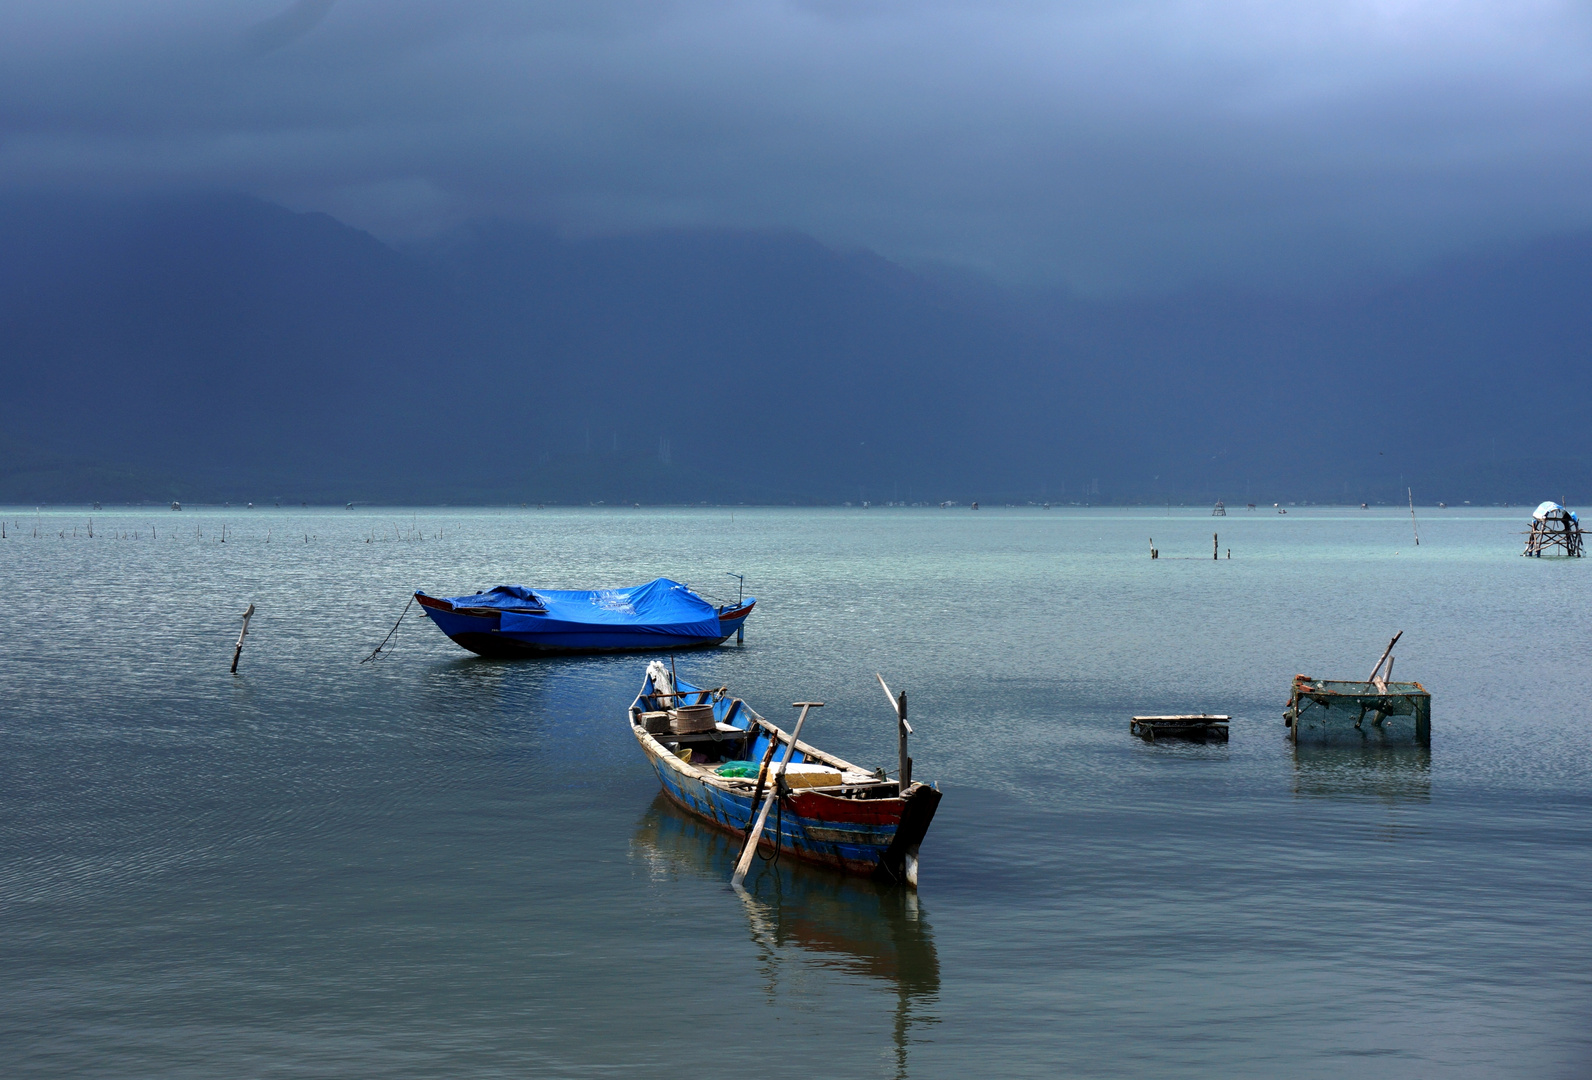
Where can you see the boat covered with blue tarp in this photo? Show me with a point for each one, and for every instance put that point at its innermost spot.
(517, 620)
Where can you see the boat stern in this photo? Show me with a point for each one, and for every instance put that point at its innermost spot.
(899, 863)
(733, 619)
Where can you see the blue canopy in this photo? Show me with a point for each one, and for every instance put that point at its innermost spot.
(660, 606)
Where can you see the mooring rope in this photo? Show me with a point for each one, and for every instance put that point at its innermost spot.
(390, 633)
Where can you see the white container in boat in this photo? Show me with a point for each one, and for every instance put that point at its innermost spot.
(806, 774)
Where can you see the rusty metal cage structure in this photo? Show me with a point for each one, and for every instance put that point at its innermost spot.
(1336, 711)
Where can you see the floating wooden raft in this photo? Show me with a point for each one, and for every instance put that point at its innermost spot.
(1198, 726)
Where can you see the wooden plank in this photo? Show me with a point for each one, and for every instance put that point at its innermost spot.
(1213, 717)
(1199, 727)
(1213, 729)
(1180, 727)
(688, 693)
(722, 733)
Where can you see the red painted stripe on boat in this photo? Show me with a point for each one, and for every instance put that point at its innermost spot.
(816, 805)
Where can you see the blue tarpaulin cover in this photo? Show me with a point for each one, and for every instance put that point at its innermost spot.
(660, 606)
(506, 597)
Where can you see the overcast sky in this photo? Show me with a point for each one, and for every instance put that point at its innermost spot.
(1104, 145)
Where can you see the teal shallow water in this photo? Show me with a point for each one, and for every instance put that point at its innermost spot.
(438, 865)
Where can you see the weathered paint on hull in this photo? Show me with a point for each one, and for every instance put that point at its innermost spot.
(857, 835)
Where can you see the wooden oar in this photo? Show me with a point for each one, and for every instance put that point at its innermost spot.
(745, 862)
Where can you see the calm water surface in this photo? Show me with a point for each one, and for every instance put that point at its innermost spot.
(438, 865)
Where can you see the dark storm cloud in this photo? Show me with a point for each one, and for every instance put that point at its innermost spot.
(1104, 144)
(284, 29)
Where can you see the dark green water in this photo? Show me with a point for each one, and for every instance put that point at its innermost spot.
(437, 865)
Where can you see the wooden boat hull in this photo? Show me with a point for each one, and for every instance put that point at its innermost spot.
(481, 633)
(877, 836)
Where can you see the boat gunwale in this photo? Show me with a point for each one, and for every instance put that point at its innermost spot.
(724, 612)
(653, 747)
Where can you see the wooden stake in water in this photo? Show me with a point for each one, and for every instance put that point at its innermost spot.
(1411, 493)
(1383, 658)
(744, 864)
(237, 652)
(903, 729)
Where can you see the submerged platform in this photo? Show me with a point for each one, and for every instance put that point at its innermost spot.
(1333, 709)
(1197, 726)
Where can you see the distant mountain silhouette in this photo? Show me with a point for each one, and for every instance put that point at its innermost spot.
(219, 347)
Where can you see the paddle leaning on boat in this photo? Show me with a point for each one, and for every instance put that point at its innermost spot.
(720, 760)
(515, 620)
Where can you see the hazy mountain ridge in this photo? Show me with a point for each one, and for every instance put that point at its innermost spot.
(219, 347)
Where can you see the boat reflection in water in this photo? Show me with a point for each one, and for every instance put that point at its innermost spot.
(849, 923)
(1389, 774)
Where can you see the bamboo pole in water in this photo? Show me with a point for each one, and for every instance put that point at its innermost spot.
(1383, 658)
(237, 652)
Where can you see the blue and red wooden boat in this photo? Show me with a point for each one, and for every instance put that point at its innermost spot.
(714, 756)
(513, 620)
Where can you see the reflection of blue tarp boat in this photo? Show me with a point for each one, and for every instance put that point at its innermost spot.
(513, 620)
